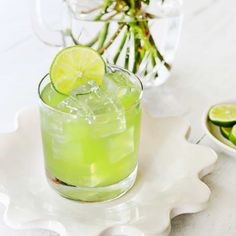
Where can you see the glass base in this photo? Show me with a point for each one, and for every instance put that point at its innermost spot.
(96, 194)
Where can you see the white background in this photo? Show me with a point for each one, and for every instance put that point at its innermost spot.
(204, 72)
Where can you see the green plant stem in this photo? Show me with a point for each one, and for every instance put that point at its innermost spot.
(75, 41)
(93, 41)
(158, 54)
(153, 65)
(143, 40)
(111, 40)
(122, 43)
(150, 45)
(148, 35)
(127, 55)
(104, 11)
(89, 44)
(137, 51)
(107, 4)
(153, 60)
(99, 16)
(103, 35)
(112, 16)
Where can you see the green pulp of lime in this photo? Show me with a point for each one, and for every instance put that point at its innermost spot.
(74, 66)
(224, 116)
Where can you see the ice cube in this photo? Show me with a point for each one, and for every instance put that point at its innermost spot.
(120, 84)
(126, 140)
(51, 97)
(102, 110)
(75, 104)
(85, 89)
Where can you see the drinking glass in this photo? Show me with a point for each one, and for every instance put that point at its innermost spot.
(91, 161)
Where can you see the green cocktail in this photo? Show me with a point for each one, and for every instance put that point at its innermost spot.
(91, 136)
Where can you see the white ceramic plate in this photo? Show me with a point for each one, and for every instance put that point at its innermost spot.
(168, 184)
(215, 135)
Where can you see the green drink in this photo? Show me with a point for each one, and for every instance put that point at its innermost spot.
(91, 136)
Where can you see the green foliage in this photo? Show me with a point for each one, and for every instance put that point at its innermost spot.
(138, 31)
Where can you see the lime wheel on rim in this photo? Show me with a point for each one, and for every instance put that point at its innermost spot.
(74, 66)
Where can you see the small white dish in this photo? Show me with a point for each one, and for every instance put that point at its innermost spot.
(215, 135)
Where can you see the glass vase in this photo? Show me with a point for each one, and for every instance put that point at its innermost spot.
(139, 35)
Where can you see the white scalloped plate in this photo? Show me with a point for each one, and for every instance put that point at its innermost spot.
(168, 184)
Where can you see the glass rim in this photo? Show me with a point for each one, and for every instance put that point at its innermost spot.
(109, 66)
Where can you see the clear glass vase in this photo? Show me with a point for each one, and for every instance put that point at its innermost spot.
(139, 35)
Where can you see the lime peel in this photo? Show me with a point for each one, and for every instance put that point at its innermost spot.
(232, 135)
(223, 115)
(225, 131)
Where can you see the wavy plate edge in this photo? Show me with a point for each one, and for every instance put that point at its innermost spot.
(58, 227)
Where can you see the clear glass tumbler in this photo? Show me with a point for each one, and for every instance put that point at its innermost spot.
(91, 160)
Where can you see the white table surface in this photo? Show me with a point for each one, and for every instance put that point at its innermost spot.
(203, 73)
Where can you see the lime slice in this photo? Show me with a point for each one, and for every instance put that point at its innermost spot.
(74, 66)
(225, 131)
(223, 115)
(232, 135)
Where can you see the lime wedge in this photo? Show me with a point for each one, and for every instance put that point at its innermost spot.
(225, 131)
(232, 135)
(223, 115)
(74, 66)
